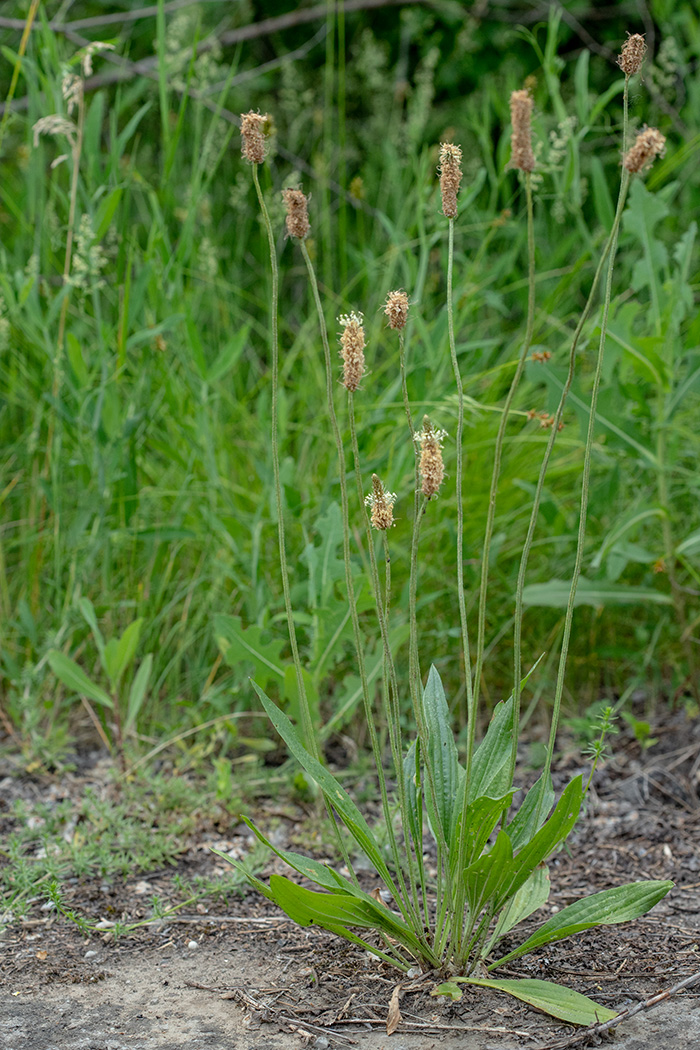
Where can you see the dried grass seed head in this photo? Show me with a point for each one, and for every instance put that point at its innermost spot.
(632, 54)
(396, 309)
(297, 207)
(352, 345)
(253, 133)
(381, 505)
(522, 156)
(432, 468)
(649, 144)
(450, 171)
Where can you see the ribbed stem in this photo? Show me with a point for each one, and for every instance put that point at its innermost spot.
(304, 706)
(401, 896)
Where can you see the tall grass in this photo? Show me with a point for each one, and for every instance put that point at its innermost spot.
(136, 470)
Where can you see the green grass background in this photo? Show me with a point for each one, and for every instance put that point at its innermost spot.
(136, 467)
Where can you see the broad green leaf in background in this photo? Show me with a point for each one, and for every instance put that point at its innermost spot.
(560, 1002)
(119, 653)
(88, 613)
(607, 908)
(229, 355)
(643, 212)
(243, 648)
(555, 594)
(75, 679)
(137, 693)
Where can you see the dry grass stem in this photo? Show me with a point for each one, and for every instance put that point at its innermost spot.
(352, 345)
(253, 135)
(450, 177)
(297, 207)
(632, 54)
(522, 156)
(649, 144)
(432, 468)
(381, 505)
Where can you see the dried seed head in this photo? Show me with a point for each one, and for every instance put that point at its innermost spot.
(522, 156)
(352, 345)
(297, 208)
(253, 135)
(381, 504)
(632, 54)
(396, 309)
(432, 469)
(648, 144)
(450, 177)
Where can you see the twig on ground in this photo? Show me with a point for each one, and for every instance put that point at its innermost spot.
(624, 1015)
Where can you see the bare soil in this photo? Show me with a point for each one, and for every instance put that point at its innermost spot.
(236, 975)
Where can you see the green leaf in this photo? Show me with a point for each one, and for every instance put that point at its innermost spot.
(126, 649)
(137, 692)
(560, 1002)
(75, 678)
(448, 988)
(532, 895)
(491, 761)
(75, 356)
(243, 647)
(229, 356)
(607, 908)
(335, 911)
(105, 213)
(533, 812)
(336, 795)
(411, 772)
(484, 878)
(643, 212)
(441, 756)
(481, 818)
(88, 613)
(555, 594)
(545, 841)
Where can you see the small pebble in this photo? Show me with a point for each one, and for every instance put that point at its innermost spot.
(90, 955)
(192, 945)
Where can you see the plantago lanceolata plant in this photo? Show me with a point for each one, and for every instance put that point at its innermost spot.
(491, 861)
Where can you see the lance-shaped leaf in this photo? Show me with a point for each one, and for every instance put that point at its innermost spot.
(533, 811)
(75, 679)
(441, 756)
(414, 797)
(484, 878)
(531, 896)
(332, 911)
(491, 762)
(607, 908)
(552, 998)
(481, 818)
(336, 795)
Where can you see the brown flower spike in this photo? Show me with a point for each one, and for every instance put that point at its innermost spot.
(450, 177)
(522, 156)
(297, 207)
(352, 345)
(648, 145)
(253, 135)
(432, 469)
(396, 309)
(632, 54)
(381, 504)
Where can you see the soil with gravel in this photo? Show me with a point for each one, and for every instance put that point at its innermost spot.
(237, 975)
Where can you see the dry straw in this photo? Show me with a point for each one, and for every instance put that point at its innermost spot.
(396, 309)
(297, 207)
(381, 505)
(450, 177)
(648, 145)
(432, 469)
(632, 54)
(253, 134)
(352, 345)
(522, 156)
